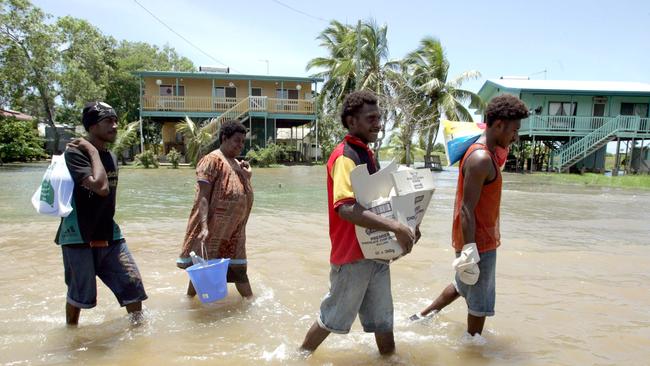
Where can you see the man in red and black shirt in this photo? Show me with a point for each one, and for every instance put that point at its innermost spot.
(357, 285)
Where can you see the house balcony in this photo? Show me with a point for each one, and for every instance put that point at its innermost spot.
(575, 126)
(189, 104)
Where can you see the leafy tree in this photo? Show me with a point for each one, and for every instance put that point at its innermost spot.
(19, 141)
(428, 68)
(86, 62)
(28, 58)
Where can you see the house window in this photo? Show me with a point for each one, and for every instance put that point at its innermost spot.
(225, 92)
(562, 108)
(286, 93)
(281, 93)
(599, 109)
(170, 90)
(634, 109)
(256, 92)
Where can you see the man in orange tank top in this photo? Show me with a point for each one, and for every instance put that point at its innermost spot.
(475, 231)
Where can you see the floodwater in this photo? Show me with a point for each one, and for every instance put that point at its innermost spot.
(572, 280)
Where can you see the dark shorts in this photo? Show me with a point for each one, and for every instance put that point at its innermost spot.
(114, 265)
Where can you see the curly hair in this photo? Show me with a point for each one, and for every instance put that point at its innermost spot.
(353, 103)
(229, 128)
(505, 107)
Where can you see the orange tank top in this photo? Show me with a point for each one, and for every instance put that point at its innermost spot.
(486, 212)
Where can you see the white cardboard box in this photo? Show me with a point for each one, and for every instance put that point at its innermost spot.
(395, 192)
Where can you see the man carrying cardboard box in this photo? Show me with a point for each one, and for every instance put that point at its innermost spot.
(475, 231)
(357, 285)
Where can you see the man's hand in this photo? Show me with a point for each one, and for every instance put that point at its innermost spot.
(405, 237)
(83, 145)
(246, 167)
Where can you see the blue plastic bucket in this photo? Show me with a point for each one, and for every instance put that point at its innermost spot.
(209, 279)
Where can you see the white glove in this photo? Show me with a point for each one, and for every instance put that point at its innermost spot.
(466, 265)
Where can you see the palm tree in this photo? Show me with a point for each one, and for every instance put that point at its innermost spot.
(356, 61)
(338, 68)
(428, 67)
(407, 110)
(126, 137)
(197, 138)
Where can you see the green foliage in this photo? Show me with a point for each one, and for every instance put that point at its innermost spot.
(592, 179)
(428, 70)
(414, 92)
(356, 60)
(123, 89)
(174, 157)
(49, 65)
(264, 157)
(127, 136)
(147, 159)
(86, 62)
(19, 141)
(439, 147)
(330, 133)
(398, 148)
(197, 138)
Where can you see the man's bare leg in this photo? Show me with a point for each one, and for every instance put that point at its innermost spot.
(385, 343)
(475, 324)
(135, 311)
(71, 314)
(446, 297)
(315, 336)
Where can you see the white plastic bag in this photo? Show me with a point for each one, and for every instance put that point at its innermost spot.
(54, 196)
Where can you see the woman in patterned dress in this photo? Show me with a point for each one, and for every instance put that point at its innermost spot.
(223, 202)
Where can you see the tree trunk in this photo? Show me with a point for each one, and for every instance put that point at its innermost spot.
(41, 85)
(50, 118)
(431, 136)
(408, 153)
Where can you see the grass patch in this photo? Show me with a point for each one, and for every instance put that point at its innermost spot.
(597, 180)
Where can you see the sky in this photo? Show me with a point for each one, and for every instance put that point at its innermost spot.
(556, 40)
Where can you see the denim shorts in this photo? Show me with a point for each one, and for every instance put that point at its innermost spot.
(481, 296)
(113, 264)
(363, 288)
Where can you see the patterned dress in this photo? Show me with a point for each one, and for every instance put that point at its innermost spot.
(229, 206)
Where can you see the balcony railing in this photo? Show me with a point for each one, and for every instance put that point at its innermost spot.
(578, 124)
(208, 104)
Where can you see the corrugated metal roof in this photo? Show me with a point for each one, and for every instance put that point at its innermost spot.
(17, 115)
(573, 85)
(223, 76)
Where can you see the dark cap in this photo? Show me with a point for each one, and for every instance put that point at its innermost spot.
(96, 111)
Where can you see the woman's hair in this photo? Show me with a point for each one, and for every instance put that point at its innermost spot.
(229, 128)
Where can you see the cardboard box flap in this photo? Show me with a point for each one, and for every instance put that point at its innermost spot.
(368, 188)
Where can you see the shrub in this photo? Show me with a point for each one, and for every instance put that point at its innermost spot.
(174, 157)
(19, 141)
(147, 159)
(264, 157)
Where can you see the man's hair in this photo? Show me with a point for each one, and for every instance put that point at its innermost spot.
(505, 107)
(229, 128)
(353, 103)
